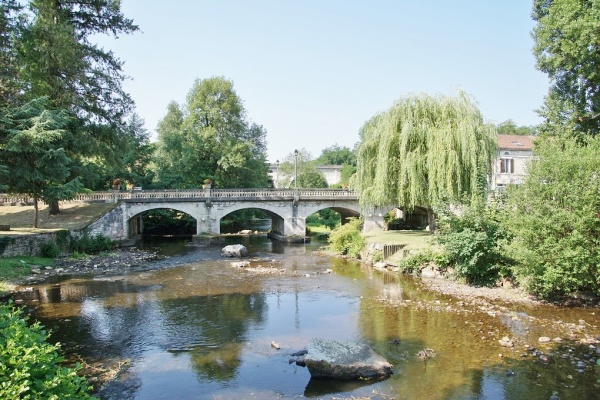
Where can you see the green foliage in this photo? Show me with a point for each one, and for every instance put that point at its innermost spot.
(326, 217)
(304, 167)
(4, 242)
(91, 244)
(555, 219)
(348, 239)
(337, 155)
(566, 48)
(168, 222)
(50, 54)
(30, 368)
(412, 264)
(422, 150)
(241, 219)
(377, 256)
(209, 136)
(509, 127)
(473, 240)
(31, 140)
(50, 249)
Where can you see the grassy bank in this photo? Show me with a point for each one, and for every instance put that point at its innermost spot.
(72, 216)
(20, 218)
(13, 269)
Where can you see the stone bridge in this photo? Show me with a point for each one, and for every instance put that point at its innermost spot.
(288, 208)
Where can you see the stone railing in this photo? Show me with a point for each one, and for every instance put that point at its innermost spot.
(175, 194)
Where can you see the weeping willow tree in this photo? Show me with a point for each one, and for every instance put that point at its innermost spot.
(423, 150)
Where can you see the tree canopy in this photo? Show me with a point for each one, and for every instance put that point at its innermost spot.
(509, 127)
(306, 169)
(422, 150)
(209, 137)
(30, 142)
(566, 48)
(48, 60)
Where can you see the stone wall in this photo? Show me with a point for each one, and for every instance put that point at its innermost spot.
(24, 245)
(112, 224)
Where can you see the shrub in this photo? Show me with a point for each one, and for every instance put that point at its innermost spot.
(473, 242)
(50, 249)
(348, 239)
(30, 366)
(413, 262)
(91, 245)
(555, 220)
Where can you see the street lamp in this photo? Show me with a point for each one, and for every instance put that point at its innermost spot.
(276, 182)
(296, 169)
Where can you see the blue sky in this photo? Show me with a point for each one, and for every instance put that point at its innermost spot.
(312, 72)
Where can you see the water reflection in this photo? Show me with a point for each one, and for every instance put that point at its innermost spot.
(203, 329)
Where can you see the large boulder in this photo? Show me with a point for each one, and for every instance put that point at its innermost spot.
(333, 359)
(234, 250)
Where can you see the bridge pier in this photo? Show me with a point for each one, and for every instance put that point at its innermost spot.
(374, 220)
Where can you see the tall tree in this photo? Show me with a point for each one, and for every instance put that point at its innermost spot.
(30, 144)
(58, 61)
(210, 137)
(423, 150)
(10, 23)
(566, 48)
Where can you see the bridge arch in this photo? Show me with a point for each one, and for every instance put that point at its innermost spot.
(277, 220)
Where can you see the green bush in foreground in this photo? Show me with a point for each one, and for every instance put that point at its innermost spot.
(30, 367)
(348, 239)
(473, 241)
(555, 220)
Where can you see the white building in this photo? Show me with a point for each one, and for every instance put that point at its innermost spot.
(514, 151)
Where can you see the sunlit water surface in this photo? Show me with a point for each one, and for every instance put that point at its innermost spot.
(198, 328)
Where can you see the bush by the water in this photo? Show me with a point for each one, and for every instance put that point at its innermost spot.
(348, 239)
(50, 249)
(412, 263)
(555, 219)
(473, 241)
(91, 244)
(30, 367)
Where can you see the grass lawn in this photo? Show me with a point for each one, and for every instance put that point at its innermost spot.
(72, 216)
(412, 239)
(319, 229)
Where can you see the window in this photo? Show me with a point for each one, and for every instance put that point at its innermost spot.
(507, 166)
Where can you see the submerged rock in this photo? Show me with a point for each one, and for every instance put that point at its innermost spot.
(332, 359)
(234, 250)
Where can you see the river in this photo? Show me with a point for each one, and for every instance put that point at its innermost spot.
(194, 327)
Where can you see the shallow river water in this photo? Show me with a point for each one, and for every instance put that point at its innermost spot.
(197, 328)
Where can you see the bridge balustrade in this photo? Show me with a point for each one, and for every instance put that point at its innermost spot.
(112, 195)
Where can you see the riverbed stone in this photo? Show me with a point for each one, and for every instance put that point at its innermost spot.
(333, 359)
(240, 264)
(234, 250)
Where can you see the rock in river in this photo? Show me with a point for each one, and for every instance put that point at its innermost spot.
(234, 250)
(332, 359)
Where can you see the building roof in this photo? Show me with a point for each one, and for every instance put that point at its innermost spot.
(515, 142)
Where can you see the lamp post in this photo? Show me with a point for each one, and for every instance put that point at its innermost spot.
(296, 169)
(276, 182)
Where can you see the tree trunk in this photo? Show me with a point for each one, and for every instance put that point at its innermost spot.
(431, 220)
(35, 212)
(53, 208)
